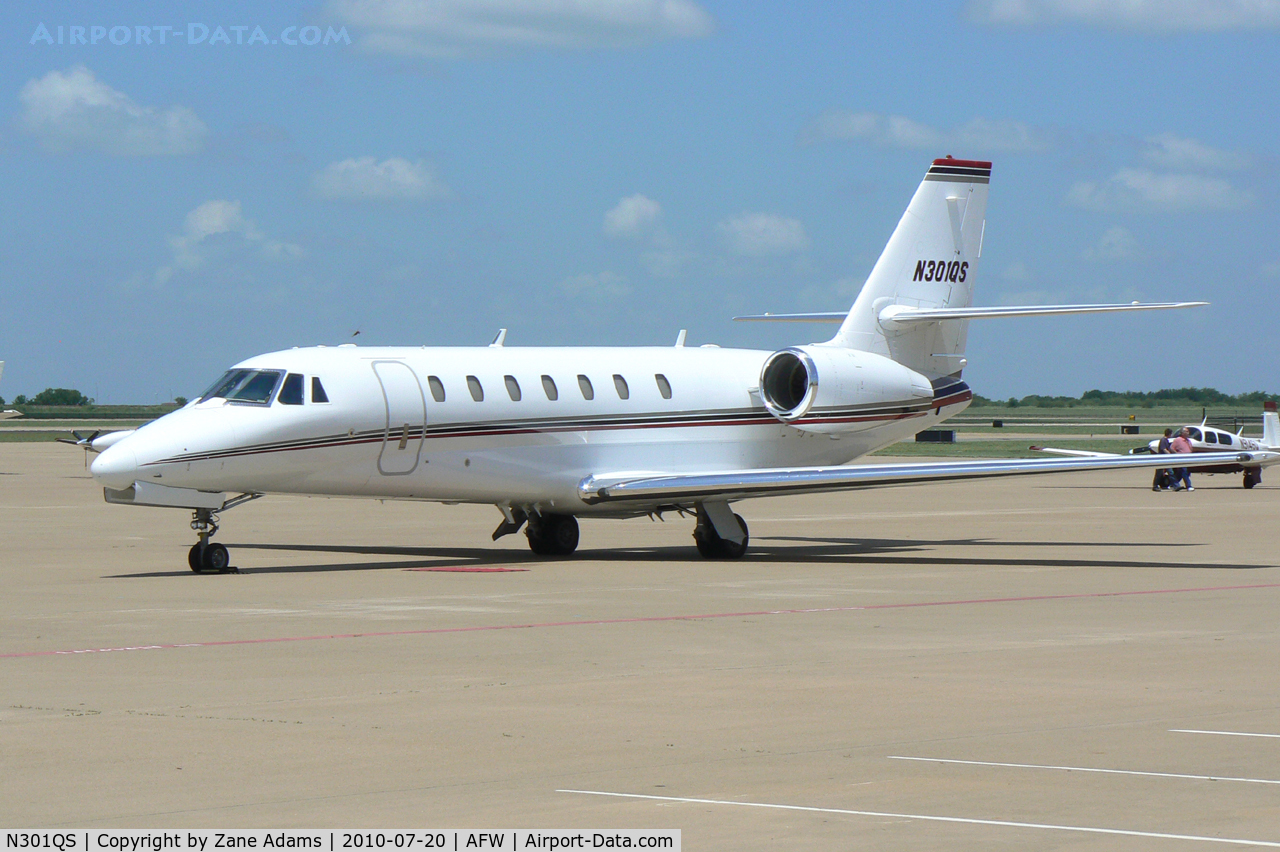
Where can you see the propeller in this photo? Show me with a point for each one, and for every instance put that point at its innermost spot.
(82, 441)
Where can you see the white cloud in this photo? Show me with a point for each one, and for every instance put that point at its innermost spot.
(74, 110)
(365, 179)
(1168, 151)
(760, 234)
(220, 227)
(1143, 189)
(895, 131)
(1116, 244)
(447, 29)
(632, 217)
(1153, 16)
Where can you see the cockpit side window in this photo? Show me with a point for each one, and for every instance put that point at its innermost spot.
(317, 390)
(291, 390)
(1193, 433)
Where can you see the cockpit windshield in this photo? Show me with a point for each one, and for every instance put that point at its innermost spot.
(255, 386)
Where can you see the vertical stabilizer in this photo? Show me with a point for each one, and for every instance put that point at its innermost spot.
(930, 261)
(1270, 426)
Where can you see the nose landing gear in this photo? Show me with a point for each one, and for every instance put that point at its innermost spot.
(204, 554)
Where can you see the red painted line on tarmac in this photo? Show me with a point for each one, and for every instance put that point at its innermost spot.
(460, 569)
(636, 620)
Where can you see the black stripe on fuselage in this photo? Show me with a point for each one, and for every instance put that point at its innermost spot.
(738, 417)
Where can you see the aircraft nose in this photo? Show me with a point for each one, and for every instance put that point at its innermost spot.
(116, 467)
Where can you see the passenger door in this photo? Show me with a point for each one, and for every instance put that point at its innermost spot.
(406, 418)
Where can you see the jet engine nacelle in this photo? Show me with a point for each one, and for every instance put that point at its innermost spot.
(831, 389)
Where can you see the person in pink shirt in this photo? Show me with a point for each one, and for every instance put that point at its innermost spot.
(1181, 475)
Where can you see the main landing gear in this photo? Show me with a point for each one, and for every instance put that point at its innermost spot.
(720, 533)
(1252, 476)
(207, 556)
(549, 535)
(553, 535)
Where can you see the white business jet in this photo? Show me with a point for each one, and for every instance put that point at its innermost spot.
(549, 435)
(8, 413)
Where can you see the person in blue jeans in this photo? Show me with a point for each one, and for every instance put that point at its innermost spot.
(1181, 475)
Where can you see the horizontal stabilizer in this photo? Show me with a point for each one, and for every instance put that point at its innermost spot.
(828, 316)
(741, 484)
(903, 314)
(895, 316)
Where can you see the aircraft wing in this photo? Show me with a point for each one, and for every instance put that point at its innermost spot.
(741, 484)
(1084, 454)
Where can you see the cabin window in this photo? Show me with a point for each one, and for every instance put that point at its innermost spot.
(317, 390)
(584, 385)
(437, 388)
(664, 386)
(513, 388)
(1226, 439)
(549, 385)
(291, 390)
(1193, 433)
(620, 384)
(1210, 437)
(477, 392)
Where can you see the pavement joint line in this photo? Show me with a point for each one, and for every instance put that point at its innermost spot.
(935, 818)
(1223, 733)
(633, 620)
(1087, 769)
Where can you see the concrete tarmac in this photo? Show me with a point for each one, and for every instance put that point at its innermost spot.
(1040, 663)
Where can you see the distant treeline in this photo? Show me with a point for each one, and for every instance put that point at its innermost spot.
(1202, 397)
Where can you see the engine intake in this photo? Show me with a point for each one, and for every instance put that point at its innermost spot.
(831, 389)
(788, 384)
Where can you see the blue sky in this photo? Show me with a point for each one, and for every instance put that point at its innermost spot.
(612, 172)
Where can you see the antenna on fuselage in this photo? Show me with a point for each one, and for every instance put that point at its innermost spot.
(680, 338)
(500, 339)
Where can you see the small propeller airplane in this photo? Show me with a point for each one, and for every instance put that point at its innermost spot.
(551, 434)
(8, 413)
(1209, 439)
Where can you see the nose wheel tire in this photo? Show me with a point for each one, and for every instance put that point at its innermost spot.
(553, 535)
(212, 558)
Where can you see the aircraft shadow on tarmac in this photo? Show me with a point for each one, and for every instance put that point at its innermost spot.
(772, 549)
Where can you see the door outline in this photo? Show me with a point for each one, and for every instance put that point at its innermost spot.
(406, 418)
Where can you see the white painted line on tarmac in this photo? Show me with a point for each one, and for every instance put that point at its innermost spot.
(1089, 769)
(1224, 733)
(931, 818)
